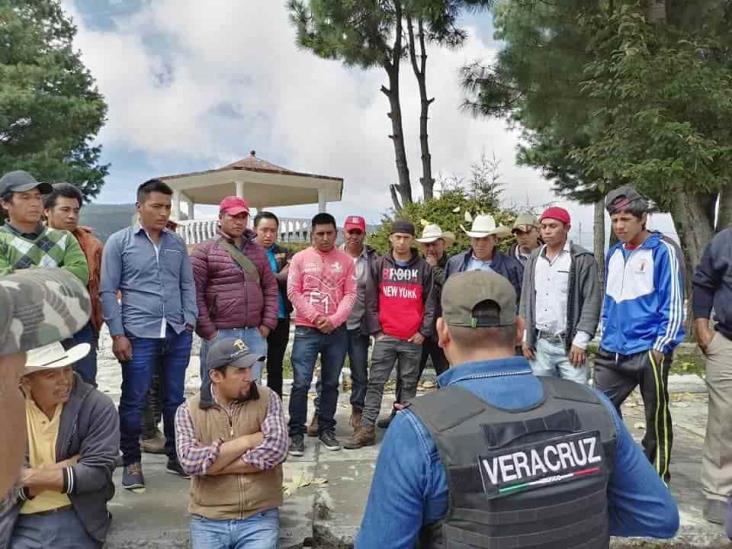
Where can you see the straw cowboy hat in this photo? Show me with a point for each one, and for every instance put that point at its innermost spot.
(54, 356)
(485, 225)
(433, 232)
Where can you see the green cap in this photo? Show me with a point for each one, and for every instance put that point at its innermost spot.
(525, 222)
(464, 291)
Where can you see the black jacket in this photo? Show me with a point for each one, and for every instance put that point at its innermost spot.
(89, 428)
(504, 265)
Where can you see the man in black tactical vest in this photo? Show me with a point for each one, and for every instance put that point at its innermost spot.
(499, 458)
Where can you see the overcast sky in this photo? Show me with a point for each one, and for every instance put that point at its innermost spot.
(195, 85)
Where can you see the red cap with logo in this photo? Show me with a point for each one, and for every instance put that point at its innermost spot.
(355, 222)
(555, 212)
(233, 205)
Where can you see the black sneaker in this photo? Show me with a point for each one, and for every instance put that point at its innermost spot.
(174, 467)
(297, 445)
(384, 423)
(329, 440)
(132, 478)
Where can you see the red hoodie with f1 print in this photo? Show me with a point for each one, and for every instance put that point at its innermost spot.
(402, 298)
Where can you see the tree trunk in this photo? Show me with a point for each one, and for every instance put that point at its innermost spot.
(599, 239)
(419, 66)
(695, 229)
(397, 129)
(394, 190)
(724, 217)
(656, 11)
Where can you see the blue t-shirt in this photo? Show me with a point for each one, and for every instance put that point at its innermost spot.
(281, 310)
(409, 488)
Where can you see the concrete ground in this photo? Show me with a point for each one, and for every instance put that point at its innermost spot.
(326, 491)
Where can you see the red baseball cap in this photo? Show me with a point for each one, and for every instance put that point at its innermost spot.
(555, 212)
(233, 205)
(355, 222)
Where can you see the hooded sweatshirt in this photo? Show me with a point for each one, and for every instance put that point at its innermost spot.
(643, 307)
(405, 298)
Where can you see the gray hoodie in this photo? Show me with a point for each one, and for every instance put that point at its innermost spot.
(584, 295)
(89, 428)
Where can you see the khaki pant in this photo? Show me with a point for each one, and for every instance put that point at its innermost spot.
(717, 459)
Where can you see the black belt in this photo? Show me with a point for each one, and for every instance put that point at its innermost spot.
(550, 337)
(51, 511)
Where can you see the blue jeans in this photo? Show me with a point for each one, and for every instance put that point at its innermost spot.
(358, 358)
(172, 354)
(87, 366)
(59, 530)
(260, 531)
(309, 342)
(551, 361)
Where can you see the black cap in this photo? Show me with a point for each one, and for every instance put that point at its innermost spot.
(20, 182)
(624, 198)
(231, 352)
(403, 226)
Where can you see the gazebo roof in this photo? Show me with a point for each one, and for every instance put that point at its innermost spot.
(264, 184)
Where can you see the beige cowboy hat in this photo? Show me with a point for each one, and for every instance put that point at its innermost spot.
(484, 225)
(53, 356)
(433, 232)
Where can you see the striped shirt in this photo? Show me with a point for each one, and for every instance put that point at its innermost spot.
(196, 458)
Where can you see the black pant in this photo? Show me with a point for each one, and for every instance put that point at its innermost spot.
(430, 348)
(153, 412)
(276, 347)
(618, 375)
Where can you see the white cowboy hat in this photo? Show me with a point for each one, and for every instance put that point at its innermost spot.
(54, 356)
(433, 232)
(485, 225)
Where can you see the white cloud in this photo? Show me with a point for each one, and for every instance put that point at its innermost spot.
(176, 73)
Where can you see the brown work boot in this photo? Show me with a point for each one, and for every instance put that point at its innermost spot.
(313, 427)
(153, 445)
(364, 436)
(355, 420)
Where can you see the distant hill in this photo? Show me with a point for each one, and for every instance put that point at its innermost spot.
(107, 219)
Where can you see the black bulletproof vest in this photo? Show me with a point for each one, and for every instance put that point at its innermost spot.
(518, 479)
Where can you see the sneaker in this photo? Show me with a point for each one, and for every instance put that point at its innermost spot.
(132, 478)
(364, 436)
(155, 445)
(174, 467)
(313, 427)
(329, 440)
(297, 445)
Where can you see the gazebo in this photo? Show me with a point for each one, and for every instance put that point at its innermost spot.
(263, 184)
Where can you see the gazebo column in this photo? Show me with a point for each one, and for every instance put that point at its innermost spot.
(175, 210)
(189, 204)
(321, 201)
(239, 189)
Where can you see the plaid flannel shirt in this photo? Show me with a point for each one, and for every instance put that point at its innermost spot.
(196, 458)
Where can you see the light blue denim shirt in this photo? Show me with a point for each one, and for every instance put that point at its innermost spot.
(409, 488)
(157, 286)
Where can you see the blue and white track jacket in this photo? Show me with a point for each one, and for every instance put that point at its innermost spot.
(644, 297)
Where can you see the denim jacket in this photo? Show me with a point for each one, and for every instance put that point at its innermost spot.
(409, 488)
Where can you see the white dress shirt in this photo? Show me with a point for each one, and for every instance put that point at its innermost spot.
(552, 285)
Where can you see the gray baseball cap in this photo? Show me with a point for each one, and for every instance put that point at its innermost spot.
(20, 181)
(231, 352)
(464, 291)
(625, 197)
